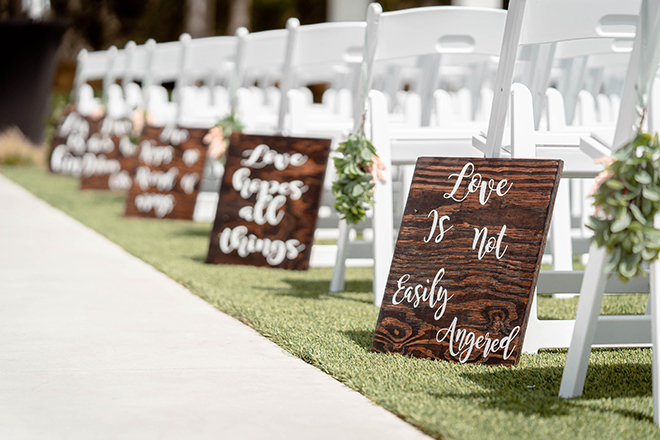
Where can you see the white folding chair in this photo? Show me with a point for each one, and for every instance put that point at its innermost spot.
(210, 60)
(136, 63)
(317, 53)
(259, 60)
(590, 328)
(92, 66)
(545, 23)
(422, 32)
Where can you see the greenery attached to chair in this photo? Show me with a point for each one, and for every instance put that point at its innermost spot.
(627, 193)
(354, 187)
(627, 199)
(218, 136)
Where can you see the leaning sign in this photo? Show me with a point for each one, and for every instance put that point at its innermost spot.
(169, 170)
(98, 150)
(467, 259)
(111, 156)
(70, 142)
(269, 201)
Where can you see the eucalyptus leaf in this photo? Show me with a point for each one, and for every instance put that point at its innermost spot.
(651, 194)
(649, 254)
(637, 213)
(627, 270)
(614, 184)
(627, 202)
(643, 177)
(622, 221)
(353, 189)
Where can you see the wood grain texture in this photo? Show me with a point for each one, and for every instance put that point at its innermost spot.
(288, 243)
(148, 198)
(488, 297)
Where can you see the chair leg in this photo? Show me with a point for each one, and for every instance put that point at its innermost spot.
(530, 344)
(562, 246)
(546, 333)
(407, 172)
(383, 243)
(586, 319)
(339, 271)
(654, 306)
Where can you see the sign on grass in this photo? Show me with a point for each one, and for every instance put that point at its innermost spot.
(98, 150)
(70, 142)
(169, 169)
(111, 156)
(269, 201)
(467, 259)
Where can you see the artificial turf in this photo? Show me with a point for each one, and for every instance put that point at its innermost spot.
(333, 332)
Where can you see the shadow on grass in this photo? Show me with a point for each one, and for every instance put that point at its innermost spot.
(534, 391)
(318, 289)
(362, 338)
(193, 232)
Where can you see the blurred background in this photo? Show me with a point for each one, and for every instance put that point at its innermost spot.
(98, 24)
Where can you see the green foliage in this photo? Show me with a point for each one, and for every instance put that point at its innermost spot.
(354, 187)
(16, 159)
(230, 124)
(627, 200)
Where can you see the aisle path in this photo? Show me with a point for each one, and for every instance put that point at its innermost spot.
(96, 344)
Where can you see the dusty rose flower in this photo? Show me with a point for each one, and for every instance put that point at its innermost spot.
(150, 118)
(606, 161)
(98, 112)
(137, 119)
(377, 168)
(215, 139)
(603, 175)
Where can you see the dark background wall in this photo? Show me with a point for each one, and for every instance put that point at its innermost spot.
(98, 24)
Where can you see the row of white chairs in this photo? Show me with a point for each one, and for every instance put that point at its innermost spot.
(427, 54)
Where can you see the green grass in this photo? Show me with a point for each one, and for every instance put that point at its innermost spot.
(333, 333)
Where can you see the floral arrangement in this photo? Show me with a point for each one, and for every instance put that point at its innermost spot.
(357, 167)
(218, 137)
(627, 198)
(138, 119)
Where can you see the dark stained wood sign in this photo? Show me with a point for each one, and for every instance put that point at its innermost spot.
(168, 173)
(467, 259)
(269, 201)
(70, 142)
(111, 156)
(98, 150)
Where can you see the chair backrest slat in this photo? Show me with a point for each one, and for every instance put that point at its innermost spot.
(538, 22)
(444, 29)
(204, 56)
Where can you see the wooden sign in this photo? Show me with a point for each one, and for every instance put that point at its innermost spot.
(269, 201)
(98, 150)
(111, 156)
(467, 259)
(169, 170)
(70, 142)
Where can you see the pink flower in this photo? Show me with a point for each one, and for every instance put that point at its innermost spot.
(603, 175)
(137, 119)
(215, 138)
(98, 112)
(606, 161)
(376, 169)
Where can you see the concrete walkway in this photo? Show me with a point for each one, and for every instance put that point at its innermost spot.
(96, 344)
